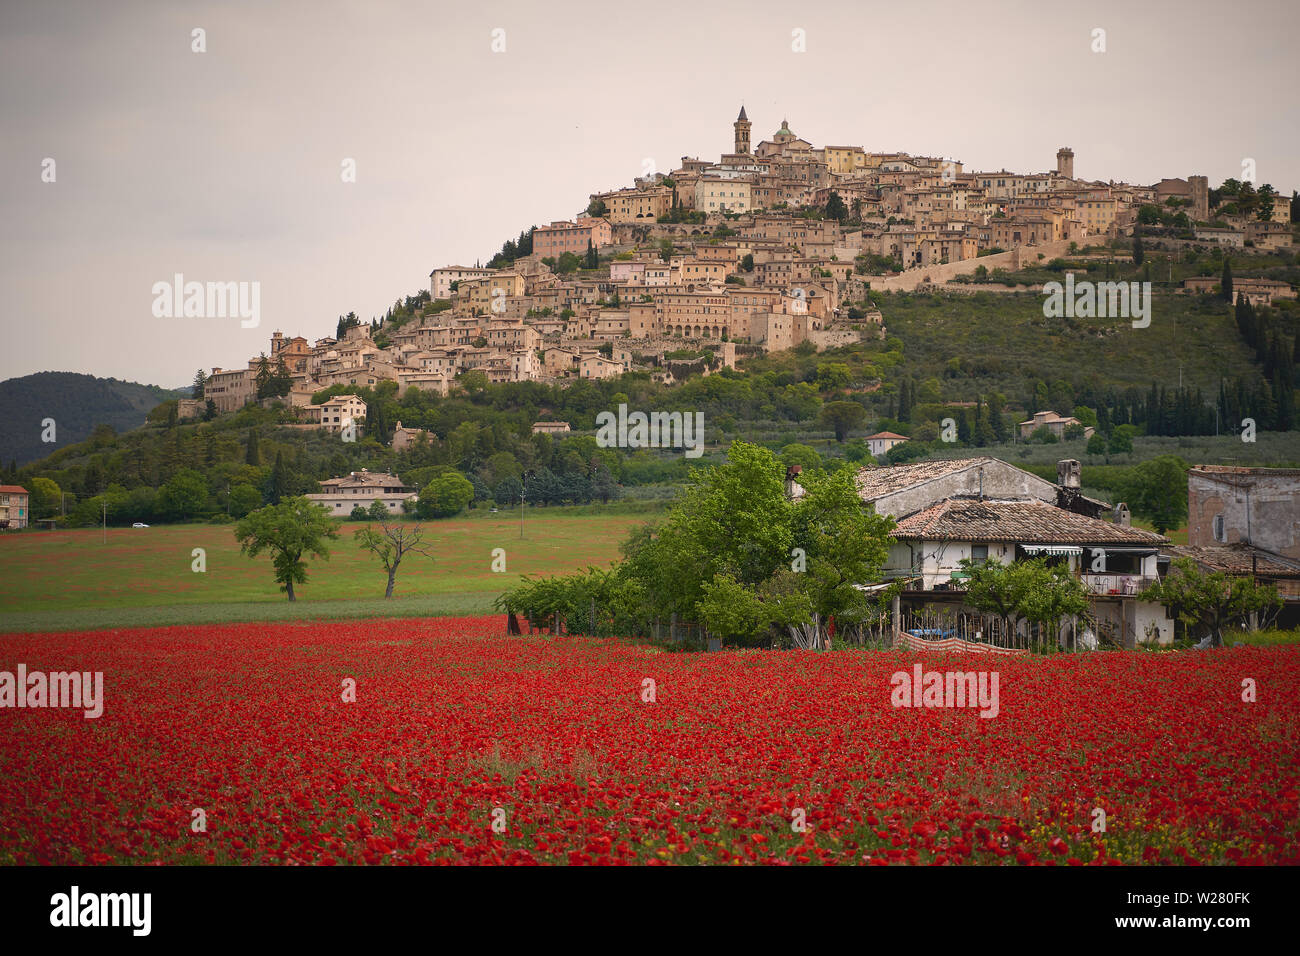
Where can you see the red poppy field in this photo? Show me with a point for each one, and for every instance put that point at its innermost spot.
(464, 745)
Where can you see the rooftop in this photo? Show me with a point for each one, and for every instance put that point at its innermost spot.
(875, 483)
(1020, 520)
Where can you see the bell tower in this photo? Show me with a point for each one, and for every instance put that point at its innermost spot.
(742, 132)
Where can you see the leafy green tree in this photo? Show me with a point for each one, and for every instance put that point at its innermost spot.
(1157, 490)
(831, 375)
(358, 513)
(253, 454)
(1139, 253)
(183, 496)
(1031, 591)
(842, 418)
(802, 455)
(287, 531)
(1121, 440)
(377, 511)
(835, 207)
(1097, 444)
(1209, 602)
(445, 496)
(390, 543)
(507, 491)
(46, 497)
(244, 498)
(282, 483)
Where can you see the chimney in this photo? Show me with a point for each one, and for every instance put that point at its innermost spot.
(1068, 473)
(1120, 515)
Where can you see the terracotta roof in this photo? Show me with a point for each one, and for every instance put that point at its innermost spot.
(363, 479)
(887, 435)
(875, 483)
(13, 490)
(1234, 559)
(1020, 520)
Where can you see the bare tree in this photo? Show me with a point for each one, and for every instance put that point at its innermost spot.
(390, 543)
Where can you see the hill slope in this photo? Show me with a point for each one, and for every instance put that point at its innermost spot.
(76, 402)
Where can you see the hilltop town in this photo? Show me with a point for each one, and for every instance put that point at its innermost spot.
(767, 248)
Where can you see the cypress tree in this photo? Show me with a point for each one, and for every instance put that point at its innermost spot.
(1225, 284)
(253, 456)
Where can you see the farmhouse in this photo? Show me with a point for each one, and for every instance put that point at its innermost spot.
(984, 509)
(879, 443)
(341, 495)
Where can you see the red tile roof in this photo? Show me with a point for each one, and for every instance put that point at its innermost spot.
(13, 490)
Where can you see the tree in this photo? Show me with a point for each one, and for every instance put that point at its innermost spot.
(445, 496)
(253, 454)
(842, 418)
(391, 542)
(200, 383)
(1225, 283)
(832, 375)
(1121, 440)
(377, 511)
(1031, 591)
(1157, 490)
(281, 483)
(1139, 253)
(244, 498)
(835, 208)
(46, 497)
(802, 455)
(183, 496)
(1209, 602)
(507, 491)
(287, 531)
(1097, 444)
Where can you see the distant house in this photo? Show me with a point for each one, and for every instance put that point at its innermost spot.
(341, 495)
(15, 506)
(550, 428)
(880, 443)
(335, 414)
(1056, 424)
(404, 438)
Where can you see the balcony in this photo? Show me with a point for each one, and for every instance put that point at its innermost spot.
(1117, 584)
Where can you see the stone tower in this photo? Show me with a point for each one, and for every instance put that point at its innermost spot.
(1065, 162)
(742, 132)
(1199, 187)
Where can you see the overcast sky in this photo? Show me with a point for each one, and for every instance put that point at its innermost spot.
(225, 165)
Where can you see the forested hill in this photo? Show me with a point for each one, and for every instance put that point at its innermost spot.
(76, 402)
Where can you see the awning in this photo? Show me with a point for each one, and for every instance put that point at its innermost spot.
(1115, 550)
(1053, 549)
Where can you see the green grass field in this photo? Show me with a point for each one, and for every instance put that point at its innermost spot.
(140, 577)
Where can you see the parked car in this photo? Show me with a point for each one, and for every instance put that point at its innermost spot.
(139, 524)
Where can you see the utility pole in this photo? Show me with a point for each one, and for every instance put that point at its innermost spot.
(103, 503)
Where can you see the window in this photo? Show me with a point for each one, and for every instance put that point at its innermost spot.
(1220, 532)
(979, 552)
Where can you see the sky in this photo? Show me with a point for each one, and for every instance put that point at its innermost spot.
(227, 165)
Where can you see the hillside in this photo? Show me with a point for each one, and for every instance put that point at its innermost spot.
(76, 402)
